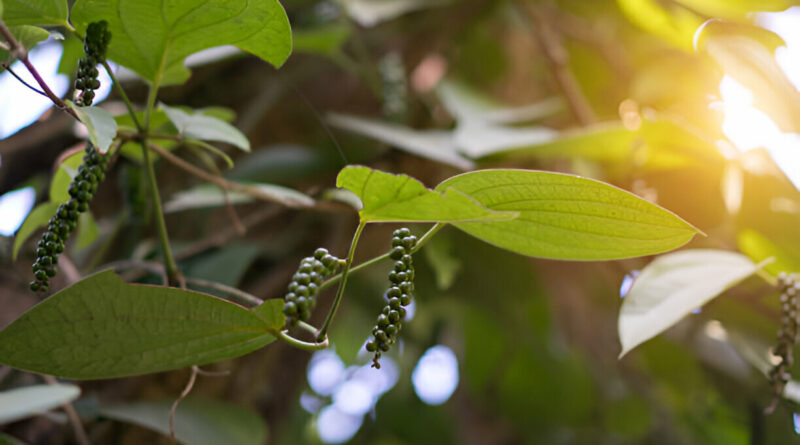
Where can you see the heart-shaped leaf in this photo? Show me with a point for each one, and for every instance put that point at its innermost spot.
(101, 327)
(205, 128)
(153, 37)
(568, 217)
(101, 125)
(674, 285)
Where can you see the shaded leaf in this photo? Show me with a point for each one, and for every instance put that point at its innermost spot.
(205, 128)
(759, 248)
(35, 12)
(101, 327)
(87, 230)
(370, 13)
(477, 138)
(153, 38)
(28, 36)
(4, 438)
(209, 195)
(325, 40)
(36, 219)
(197, 422)
(387, 197)
(225, 265)
(101, 125)
(568, 217)
(19, 403)
(433, 144)
(59, 185)
(674, 285)
(465, 103)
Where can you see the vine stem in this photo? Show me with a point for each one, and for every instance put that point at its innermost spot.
(19, 52)
(323, 331)
(304, 345)
(174, 276)
(421, 242)
(123, 96)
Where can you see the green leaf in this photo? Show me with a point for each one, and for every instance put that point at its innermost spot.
(205, 128)
(197, 422)
(36, 219)
(464, 102)
(101, 327)
(35, 12)
(760, 248)
(28, 36)
(432, 144)
(674, 285)
(271, 311)
(671, 22)
(387, 197)
(59, 185)
(87, 230)
(209, 195)
(568, 217)
(4, 438)
(153, 37)
(19, 403)
(101, 125)
(325, 40)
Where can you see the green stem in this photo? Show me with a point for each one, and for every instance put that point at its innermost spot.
(174, 277)
(323, 331)
(421, 242)
(124, 96)
(304, 345)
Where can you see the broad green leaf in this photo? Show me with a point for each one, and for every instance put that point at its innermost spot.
(432, 144)
(671, 22)
(101, 327)
(386, 197)
(101, 125)
(159, 123)
(325, 40)
(674, 285)
(759, 248)
(197, 422)
(271, 311)
(153, 37)
(205, 128)
(59, 185)
(87, 230)
(19, 403)
(746, 53)
(209, 195)
(72, 53)
(36, 219)
(35, 12)
(568, 217)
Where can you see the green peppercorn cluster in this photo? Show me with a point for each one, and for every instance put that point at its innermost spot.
(81, 190)
(94, 45)
(390, 321)
(790, 320)
(302, 291)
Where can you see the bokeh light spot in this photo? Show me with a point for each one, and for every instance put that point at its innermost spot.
(436, 375)
(335, 426)
(14, 207)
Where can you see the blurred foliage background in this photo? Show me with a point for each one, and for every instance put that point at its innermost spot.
(620, 91)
